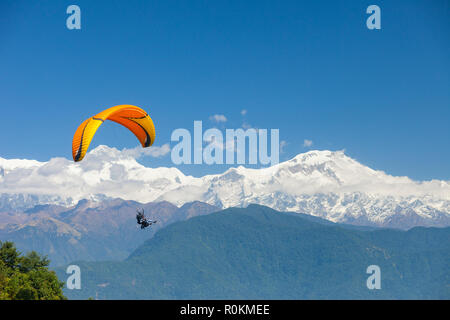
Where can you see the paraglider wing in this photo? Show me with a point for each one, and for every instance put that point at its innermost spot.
(131, 117)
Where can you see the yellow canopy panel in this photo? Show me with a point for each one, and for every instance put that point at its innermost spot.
(131, 117)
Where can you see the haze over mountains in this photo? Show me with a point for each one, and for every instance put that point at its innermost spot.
(259, 253)
(326, 184)
(90, 231)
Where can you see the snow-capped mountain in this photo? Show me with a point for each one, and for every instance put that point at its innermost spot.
(327, 184)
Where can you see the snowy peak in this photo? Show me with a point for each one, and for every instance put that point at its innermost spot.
(333, 165)
(328, 184)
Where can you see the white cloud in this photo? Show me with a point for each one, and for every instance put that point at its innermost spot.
(104, 170)
(218, 118)
(243, 112)
(283, 145)
(116, 173)
(153, 151)
(307, 143)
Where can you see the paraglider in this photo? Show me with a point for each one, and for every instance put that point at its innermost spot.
(142, 220)
(131, 117)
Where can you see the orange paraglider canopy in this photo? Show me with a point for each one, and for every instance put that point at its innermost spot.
(131, 117)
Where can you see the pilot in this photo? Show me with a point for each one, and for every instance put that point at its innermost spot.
(142, 220)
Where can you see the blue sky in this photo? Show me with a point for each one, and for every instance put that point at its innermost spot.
(310, 68)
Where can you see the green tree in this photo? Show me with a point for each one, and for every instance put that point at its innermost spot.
(26, 277)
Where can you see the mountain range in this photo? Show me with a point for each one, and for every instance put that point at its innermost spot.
(259, 253)
(90, 230)
(325, 184)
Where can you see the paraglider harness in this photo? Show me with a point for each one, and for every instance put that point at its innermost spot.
(142, 220)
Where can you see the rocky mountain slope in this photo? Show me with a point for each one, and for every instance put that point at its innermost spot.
(259, 253)
(90, 230)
